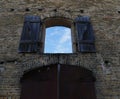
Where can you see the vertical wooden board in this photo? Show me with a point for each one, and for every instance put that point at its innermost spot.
(74, 83)
(1, 97)
(42, 84)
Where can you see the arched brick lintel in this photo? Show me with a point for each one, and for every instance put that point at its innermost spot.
(57, 21)
(86, 74)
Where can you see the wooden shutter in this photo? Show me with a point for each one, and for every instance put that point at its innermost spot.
(85, 33)
(30, 38)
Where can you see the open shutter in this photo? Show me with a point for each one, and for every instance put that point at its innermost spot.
(85, 34)
(30, 38)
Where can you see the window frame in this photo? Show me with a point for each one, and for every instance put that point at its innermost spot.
(59, 21)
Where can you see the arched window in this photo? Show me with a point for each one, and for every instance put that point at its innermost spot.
(58, 40)
(58, 36)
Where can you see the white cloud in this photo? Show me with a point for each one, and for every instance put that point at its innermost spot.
(62, 49)
(55, 31)
(59, 40)
(66, 37)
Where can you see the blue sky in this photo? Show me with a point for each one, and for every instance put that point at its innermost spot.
(58, 40)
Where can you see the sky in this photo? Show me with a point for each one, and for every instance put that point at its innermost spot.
(58, 40)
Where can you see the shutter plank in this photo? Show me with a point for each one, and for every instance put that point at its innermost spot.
(30, 37)
(85, 33)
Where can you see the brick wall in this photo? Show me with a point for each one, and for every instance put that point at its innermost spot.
(105, 63)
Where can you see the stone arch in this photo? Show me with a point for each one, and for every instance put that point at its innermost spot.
(58, 81)
(59, 21)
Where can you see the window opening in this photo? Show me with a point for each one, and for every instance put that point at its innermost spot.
(58, 40)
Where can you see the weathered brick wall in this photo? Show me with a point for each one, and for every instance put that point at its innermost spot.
(105, 17)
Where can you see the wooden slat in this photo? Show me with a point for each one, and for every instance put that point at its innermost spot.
(1, 97)
(5, 98)
(9, 97)
(13, 97)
